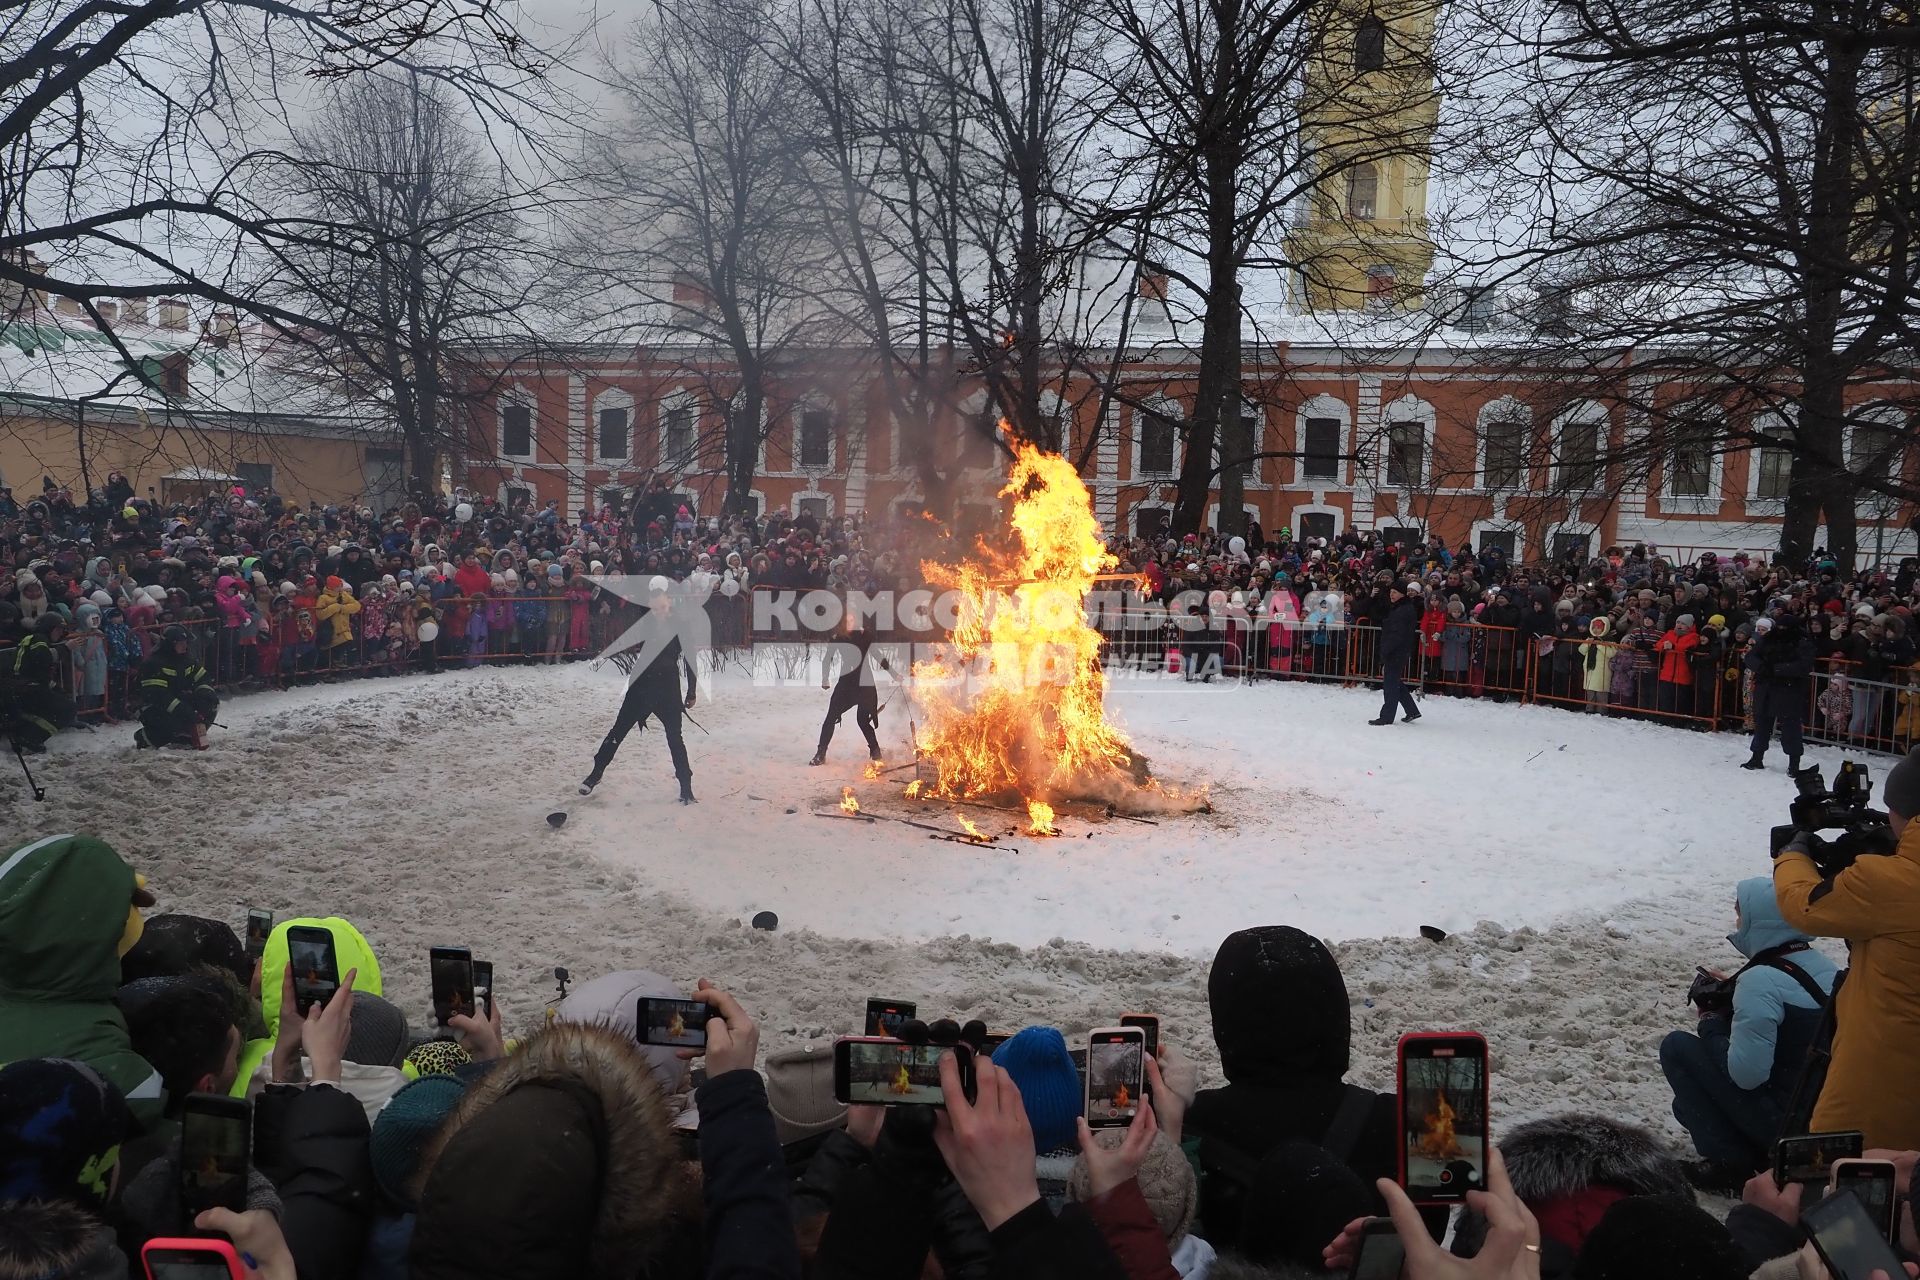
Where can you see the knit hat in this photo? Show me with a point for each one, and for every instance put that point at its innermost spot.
(1684, 620)
(1166, 1181)
(1037, 1061)
(172, 944)
(435, 1058)
(800, 1091)
(379, 1035)
(404, 1127)
(61, 1126)
(1901, 790)
(1279, 1007)
(1686, 1239)
(1717, 620)
(334, 583)
(1762, 625)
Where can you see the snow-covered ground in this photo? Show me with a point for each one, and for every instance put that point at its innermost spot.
(1582, 866)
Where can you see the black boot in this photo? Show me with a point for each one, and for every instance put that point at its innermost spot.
(601, 759)
(819, 757)
(1756, 762)
(1793, 766)
(686, 790)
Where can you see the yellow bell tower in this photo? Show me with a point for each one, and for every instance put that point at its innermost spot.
(1360, 239)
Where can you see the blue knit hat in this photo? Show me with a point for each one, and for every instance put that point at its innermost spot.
(1049, 1084)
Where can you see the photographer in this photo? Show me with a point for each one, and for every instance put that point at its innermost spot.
(1733, 1079)
(1874, 903)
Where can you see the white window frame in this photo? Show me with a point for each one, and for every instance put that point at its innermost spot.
(1869, 505)
(1408, 408)
(1588, 529)
(1258, 412)
(1501, 525)
(518, 395)
(1502, 409)
(611, 398)
(1582, 413)
(678, 398)
(1128, 520)
(811, 492)
(1766, 423)
(1323, 405)
(1687, 504)
(1250, 508)
(1316, 509)
(1173, 409)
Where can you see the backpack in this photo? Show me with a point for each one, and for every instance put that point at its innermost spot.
(1227, 1172)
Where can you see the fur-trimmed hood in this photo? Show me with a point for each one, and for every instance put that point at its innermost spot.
(615, 1117)
(1564, 1154)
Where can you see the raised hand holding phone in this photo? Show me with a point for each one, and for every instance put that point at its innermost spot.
(1109, 1166)
(1512, 1248)
(733, 1039)
(988, 1142)
(255, 1233)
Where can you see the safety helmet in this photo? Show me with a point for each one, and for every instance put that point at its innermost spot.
(175, 634)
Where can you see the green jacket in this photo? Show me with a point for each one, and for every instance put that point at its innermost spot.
(350, 950)
(63, 909)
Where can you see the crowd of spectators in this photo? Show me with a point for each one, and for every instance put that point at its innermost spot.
(271, 594)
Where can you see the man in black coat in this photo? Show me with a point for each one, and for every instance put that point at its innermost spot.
(654, 689)
(1782, 666)
(1399, 633)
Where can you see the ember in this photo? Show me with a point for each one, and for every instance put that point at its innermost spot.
(847, 803)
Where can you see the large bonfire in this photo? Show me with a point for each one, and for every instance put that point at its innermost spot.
(1018, 707)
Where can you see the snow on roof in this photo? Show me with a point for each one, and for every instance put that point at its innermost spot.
(205, 475)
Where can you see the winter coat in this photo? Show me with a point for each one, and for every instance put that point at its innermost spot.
(1456, 643)
(1595, 660)
(350, 951)
(579, 598)
(1764, 996)
(1433, 627)
(123, 646)
(337, 608)
(1877, 1013)
(312, 1145)
(1836, 703)
(1782, 664)
(233, 610)
(1676, 666)
(530, 614)
(66, 918)
(1399, 631)
(478, 627)
(89, 649)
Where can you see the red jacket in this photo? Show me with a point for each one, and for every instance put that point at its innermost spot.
(1432, 623)
(1675, 650)
(1128, 1226)
(471, 579)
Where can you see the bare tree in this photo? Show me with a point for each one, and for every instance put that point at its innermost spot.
(433, 253)
(1721, 208)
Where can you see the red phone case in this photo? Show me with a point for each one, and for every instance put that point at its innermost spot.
(1400, 1093)
(220, 1249)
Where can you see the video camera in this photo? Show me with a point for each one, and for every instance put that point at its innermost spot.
(1844, 809)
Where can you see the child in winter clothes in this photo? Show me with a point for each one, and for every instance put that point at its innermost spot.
(1455, 646)
(559, 615)
(579, 622)
(477, 629)
(124, 656)
(1595, 660)
(89, 650)
(1676, 666)
(1836, 703)
(499, 620)
(530, 618)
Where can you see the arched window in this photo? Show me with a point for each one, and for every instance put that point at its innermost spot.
(1370, 44)
(1363, 187)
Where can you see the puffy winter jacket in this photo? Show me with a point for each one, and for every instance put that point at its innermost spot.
(65, 904)
(1675, 654)
(1763, 996)
(350, 951)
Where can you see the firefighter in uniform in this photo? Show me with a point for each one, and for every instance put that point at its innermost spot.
(176, 698)
(34, 705)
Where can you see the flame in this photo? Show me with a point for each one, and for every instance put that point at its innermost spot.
(874, 769)
(902, 1082)
(1029, 716)
(966, 824)
(1040, 815)
(1437, 1138)
(847, 803)
(913, 789)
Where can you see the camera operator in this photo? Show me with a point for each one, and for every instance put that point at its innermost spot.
(1874, 903)
(1733, 1079)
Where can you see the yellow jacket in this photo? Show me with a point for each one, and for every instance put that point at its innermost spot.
(1875, 906)
(339, 606)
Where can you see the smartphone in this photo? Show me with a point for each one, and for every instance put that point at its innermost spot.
(197, 1259)
(1810, 1157)
(483, 987)
(1149, 1023)
(1116, 1076)
(1382, 1253)
(451, 971)
(886, 1017)
(993, 1040)
(882, 1071)
(1443, 1115)
(1872, 1182)
(215, 1131)
(316, 971)
(680, 1023)
(1848, 1240)
(259, 925)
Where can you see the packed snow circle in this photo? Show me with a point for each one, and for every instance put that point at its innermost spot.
(1581, 867)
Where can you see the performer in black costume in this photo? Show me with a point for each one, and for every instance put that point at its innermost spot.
(854, 691)
(653, 689)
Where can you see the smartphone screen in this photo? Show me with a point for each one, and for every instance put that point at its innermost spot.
(214, 1135)
(451, 970)
(483, 986)
(886, 1017)
(680, 1023)
(316, 975)
(890, 1074)
(1848, 1240)
(1810, 1157)
(1149, 1023)
(184, 1263)
(1382, 1255)
(1116, 1075)
(259, 925)
(1872, 1183)
(1443, 1116)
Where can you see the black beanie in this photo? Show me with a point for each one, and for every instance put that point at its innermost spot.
(1901, 791)
(171, 945)
(1279, 1007)
(1664, 1235)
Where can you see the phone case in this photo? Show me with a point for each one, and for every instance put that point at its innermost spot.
(212, 1245)
(1400, 1108)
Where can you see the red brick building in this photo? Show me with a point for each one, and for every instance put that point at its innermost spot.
(1441, 442)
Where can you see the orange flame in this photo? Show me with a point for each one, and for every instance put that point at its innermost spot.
(1040, 816)
(966, 824)
(847, 803)
(874, 769)
(1018, 706)
(913, 789)
(1437, 1138)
